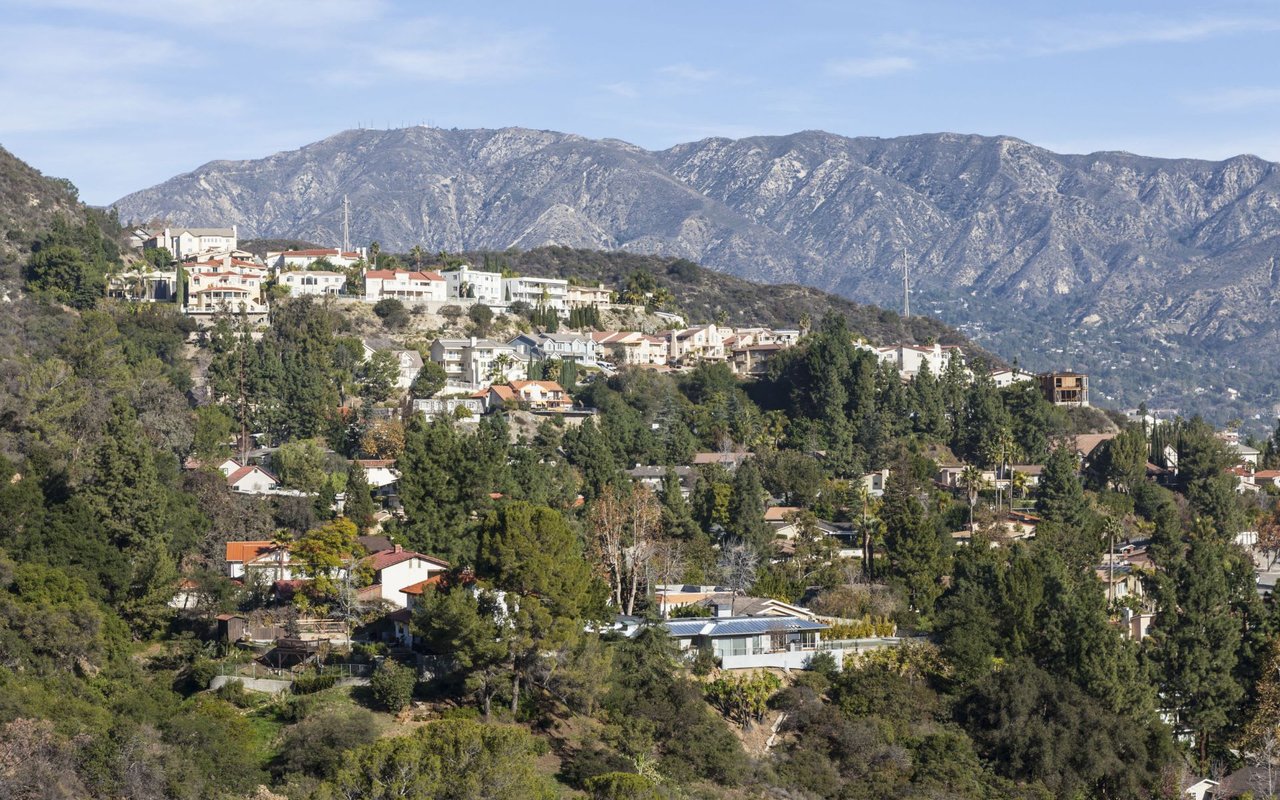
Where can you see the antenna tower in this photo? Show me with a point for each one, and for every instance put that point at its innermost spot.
(906, 285)
(346, 225)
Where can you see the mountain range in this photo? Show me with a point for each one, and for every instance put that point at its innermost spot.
(1156, 275)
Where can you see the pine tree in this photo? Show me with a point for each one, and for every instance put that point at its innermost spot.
(746, 508)
(359, 506)
(914, 549)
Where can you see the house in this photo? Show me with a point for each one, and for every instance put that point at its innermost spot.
(874, 482)
(243, 558)
(1267, 476)
(910, 359)
(655, 477)
(782, 519)
(466, 283)
(693, 345)
(229, 466)
(252, 479)
(407, 287)
(567, 347)
(1065, 388)
(408, 362)
(1086, 444)
(727, 460)
(630, 348)
(588, 296)
(1031, 471)
(313, 282)
(204, 304)
(240, 277)
(537, 293)
(432, 407)
(380, 473)
(282, 260)
(753, 360)
(1003, 378)
(397, 568)
(1244, 453)
(476, 363)
(546, 395)
(187, 242)
(779, 642)
(144, 286)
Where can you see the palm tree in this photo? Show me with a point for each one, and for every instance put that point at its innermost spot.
(1017, 486)
(501, 363)
(1006, 448)
(971, 481)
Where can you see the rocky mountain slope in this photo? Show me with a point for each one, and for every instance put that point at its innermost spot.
(1093, 261)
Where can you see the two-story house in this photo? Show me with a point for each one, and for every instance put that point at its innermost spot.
(407, 287)
(466, 283)
(312, 282)
(477, 363)
(537, 293)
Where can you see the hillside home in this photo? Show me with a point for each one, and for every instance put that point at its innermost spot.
(588, 296)
(728, 460)
(1267, 476)
(187, 242)
(407, 287)
(753, 360)
(564, 346)
(252, 479)
(261, 556)
(312, 282)
(693, 345)
(1065, 388)
(1003, 378)
(432, 407)
(408, 362)
(538, 395)
(654, 477)
(537, 292)
(203, 304)
(1244, 453)
(777, 642)
(303, 259)
(397, 568)
(466, 283)
(473, 363)
(380, 473)
(631, 348)
(910, 359)
(144, 286)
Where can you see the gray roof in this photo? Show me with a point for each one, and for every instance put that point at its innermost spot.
(738, 626)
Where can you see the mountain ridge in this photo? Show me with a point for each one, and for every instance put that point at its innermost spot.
(1105, 246)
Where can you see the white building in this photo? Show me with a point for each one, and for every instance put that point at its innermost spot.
(397, 569)
(588, 296)
(632, 348)
(187, 242)
(477, 363)
(909, 359)
(407, 287)
(537, 292)
(303, 259)
(467, 283)
(314, 282)
(408, 362)
(1007, 377)
(567, 346)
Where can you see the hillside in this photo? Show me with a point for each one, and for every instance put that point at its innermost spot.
(29, 201)
(703, 295)
(1108, 258)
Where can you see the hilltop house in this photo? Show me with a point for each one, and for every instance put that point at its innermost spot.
(564, 346)
(397, 568)
(588, 296)
(407, 287)
(466, 283)
(631, 348)
(1065, 388)
(303, 259)
(408, 362)
(312, 282)
(537, 292)
(542, 395)
(473, 363)
(187, 242)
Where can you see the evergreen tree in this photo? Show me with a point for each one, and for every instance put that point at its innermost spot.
(914, 548)
(1197, 639)
(359, 503)
(746, 508)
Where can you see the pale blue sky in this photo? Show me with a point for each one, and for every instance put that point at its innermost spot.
(120, 94)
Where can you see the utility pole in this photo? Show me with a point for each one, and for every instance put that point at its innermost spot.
(346, 225)
(906, 285)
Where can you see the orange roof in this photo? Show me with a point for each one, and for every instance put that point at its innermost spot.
(778, 513)
(1267, 474)
(320, 253)
(420, 586)
(243, 471)
(247, 551)
(503, 392)
(547, 386)
(387, 558)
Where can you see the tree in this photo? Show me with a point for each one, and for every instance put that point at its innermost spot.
(392, 312)
(746, 508)
(1197, 638)
(532, 550)
(359, 503)
(470, 628)
(624, 540)
(324, 554)
(302, 465)
(378, 376)
(392, 685)
(66, 275)
(972, 481)
(481, 317)
(915, 551)
(430, 380)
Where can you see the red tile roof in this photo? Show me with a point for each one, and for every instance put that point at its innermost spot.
(243, 471)
(391, 275)
(247, 551)
(389, 558)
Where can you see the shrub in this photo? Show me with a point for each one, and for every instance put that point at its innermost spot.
(312, 682)
(392, 685)
(315, 745)
(622, 786)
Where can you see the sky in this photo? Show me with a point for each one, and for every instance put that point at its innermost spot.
(118, 95)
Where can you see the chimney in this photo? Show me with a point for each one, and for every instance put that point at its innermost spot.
(720, 609)
(397, 549)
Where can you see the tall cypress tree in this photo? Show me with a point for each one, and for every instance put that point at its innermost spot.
(359, 504)
(915, 551)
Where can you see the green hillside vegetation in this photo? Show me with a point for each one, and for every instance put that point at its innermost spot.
(1017, 681)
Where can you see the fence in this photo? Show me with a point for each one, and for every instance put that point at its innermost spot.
(254, 671)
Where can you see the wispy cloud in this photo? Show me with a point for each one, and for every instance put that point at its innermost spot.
(688, 72)
(870, 67)
(622, 89)
(1244, 98)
